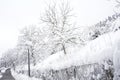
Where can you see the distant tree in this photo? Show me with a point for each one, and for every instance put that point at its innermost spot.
(110, 18)
(9, 58)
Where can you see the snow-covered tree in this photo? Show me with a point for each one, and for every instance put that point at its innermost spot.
(61, 29)
(27, 40)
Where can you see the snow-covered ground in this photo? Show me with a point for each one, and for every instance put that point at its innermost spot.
(22, 77)
(105, 47)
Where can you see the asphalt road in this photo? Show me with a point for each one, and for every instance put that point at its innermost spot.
(7, 75)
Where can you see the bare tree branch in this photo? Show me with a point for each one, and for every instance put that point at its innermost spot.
(118, 1)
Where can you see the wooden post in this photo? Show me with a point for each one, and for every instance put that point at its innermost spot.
(63, 45)
(28, 63)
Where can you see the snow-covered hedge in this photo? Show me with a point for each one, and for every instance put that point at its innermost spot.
(104, 50)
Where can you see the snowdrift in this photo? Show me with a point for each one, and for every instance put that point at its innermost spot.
(105, 47)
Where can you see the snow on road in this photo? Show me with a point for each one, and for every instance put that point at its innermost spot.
(7, 75)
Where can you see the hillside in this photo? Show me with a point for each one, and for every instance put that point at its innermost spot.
(99, 51)
(97, 59)
(96, 51)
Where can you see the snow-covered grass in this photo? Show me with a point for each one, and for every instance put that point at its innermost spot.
(24, 67)
(22, 76)
(105, 47)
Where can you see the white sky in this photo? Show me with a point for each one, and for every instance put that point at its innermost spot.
(15, 14)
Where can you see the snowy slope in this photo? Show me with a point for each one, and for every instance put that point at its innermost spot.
(103, 48)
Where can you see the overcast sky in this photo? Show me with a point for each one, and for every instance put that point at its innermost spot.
(16, 14)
